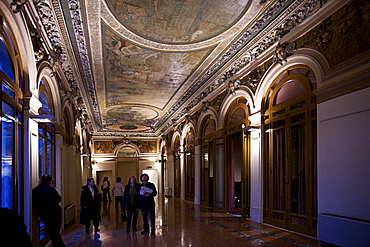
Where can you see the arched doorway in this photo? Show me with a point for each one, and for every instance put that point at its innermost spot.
(127, 163)
(206, 178)
(177, 168)
(189, 144)
(290, 181)
(237, 169)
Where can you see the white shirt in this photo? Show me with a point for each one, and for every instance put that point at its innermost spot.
(118, 189)
(91, 190)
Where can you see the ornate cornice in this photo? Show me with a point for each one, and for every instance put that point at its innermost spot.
(75, 11)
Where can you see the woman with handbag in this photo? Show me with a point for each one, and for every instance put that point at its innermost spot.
(131, 203)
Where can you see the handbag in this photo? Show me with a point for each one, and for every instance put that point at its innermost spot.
(123, 216)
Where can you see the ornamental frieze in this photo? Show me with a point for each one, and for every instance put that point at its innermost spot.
(343, 35)
(253, 79)
(107, 147)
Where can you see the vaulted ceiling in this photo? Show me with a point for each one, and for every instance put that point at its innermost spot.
(139, 65)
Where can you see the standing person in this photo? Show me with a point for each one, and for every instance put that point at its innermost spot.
(106, 189)
(14, 231)
(46, 200)
(90, 205)
(146, 203)
(117, 192)
(131, 202)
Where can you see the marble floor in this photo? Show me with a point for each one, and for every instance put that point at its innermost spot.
(180, 223)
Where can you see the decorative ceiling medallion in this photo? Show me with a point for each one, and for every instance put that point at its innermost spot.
(131, 114)
(128, 128)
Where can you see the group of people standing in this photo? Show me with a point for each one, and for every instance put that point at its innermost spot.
(140, 196)
(132, 197)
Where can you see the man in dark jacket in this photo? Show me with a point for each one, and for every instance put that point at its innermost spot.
(46, 200)
(90, 205)
(146, 203)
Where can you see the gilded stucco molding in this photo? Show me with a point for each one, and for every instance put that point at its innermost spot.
(52, 20)
(18, 5)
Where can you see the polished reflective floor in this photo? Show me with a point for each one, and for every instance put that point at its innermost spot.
(179, 223)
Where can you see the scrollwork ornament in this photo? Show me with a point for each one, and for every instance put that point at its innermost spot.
(18, 5)
(126, 141)
(205, 106)
(233, 86)
(282, 52)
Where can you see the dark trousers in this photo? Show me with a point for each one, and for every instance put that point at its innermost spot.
(95, 223)
(133, 213)
(106, 195)
(118, 200)
(52, 227)
(151, 213)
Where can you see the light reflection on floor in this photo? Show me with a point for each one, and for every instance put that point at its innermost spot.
(179, 223)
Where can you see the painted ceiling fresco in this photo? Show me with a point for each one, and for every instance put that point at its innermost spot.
(142, 83)
(178, 21)
(136, 75)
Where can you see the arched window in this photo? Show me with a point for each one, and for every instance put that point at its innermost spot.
(11, 121)
(46, 132)
(237, 115)
(290, 151)
(127, 152)
(209, 128)
(6, 63)
(66, 130)
(289, 90)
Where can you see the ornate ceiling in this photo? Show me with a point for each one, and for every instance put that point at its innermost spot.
(139, 66)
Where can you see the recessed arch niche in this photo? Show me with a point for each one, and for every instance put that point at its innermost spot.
(127, 163)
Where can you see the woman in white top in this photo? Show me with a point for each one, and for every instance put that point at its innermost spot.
(117, 192)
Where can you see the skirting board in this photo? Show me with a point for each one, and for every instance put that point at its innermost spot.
(343, 231)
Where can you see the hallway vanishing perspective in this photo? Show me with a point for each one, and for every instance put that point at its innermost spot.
(180, 223)
(251, 117)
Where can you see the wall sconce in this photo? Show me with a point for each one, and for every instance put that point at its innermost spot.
(248, 128)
